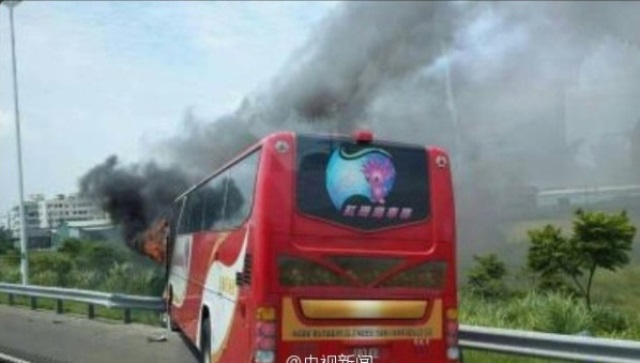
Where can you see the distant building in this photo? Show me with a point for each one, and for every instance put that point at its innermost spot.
(94, 229)
(587, 196)
(4, 221)
(69, 208)
(42, 215)
(32, 223)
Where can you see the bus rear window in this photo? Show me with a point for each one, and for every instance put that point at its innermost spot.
(295, 271)
(366, 186)
(354, 271)
(428, 275)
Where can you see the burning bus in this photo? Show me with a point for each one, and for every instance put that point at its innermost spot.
(315, 246)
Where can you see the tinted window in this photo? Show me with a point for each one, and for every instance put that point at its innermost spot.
(191, 220)
(240, 191)
(175, 219)
(185, 219)
(224, 201)
(213, 194)
(366, 186)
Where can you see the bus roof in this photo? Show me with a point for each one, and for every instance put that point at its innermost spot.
(225, 166)
(261, 141)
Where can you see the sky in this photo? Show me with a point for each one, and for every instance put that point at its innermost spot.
(101, 78)
(104, 78)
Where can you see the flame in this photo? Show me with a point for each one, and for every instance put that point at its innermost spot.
(153, 241)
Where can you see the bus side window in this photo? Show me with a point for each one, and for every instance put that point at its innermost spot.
(174, 220)
(240, 190)
(185, 217)
(197, 207)
(213, 203)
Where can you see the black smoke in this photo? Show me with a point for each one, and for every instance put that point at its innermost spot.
(490, 81)
(479, 78)
(134, 195)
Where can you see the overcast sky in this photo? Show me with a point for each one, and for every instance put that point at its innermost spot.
(101, 78)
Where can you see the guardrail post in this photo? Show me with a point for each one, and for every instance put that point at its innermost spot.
(11, 302)
(91, 313)
(34, 303)
(59, 306)
(127, 316)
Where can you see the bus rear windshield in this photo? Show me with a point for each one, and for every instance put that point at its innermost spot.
(364, 186)
(360, 271)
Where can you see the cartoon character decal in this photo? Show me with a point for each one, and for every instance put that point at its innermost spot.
(368, 172)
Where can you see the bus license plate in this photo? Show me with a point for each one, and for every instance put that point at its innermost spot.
(373, 352)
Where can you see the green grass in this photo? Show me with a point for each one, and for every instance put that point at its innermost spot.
(619, 289)
(545, 313)
(551, 313)
(475, 356)
(81, 309)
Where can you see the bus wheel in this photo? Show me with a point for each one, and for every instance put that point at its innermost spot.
(205, 342)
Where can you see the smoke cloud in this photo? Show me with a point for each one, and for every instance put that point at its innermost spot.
(134, 195)
(506, 87)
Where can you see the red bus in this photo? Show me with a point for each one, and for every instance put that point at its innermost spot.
(318, 248)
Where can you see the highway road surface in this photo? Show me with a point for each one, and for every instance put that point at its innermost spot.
(45, 337)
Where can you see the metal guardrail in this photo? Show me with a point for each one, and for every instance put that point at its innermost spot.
(516, 342)
(546, 345)
(91, 298)
(10, 359)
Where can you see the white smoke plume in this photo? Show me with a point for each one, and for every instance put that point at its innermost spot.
(488, 81)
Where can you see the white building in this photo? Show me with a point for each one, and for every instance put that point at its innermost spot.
(64, 208)
(45, 214)
(4, 220)
(31, 217)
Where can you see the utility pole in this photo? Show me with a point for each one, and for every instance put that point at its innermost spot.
(24, 262)
(453, 109)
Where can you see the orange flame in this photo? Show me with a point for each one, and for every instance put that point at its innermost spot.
(153, 241)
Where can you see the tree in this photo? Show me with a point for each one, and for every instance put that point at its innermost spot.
(485, 278)
(71, 247)
(6, 241)
(599, 240)
(552, 255)
(50, 268)
(101, 257)
(603, 240)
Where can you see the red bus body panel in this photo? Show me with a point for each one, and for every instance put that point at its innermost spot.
(275, 227)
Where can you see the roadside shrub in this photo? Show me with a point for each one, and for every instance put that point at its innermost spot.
(485, 279)
(607, 320)
(84, 279)
(12, 258)
(50, 269)
(10, 275)
(563, 315)
(127, 278)
(45, 278)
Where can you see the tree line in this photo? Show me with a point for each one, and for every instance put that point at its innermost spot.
(84, 264)
(560, 270)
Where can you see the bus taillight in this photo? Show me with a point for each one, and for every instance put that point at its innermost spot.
(265, 334)
(363, 136)
(451, 327)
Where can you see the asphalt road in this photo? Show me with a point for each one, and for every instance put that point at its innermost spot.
(45, 337)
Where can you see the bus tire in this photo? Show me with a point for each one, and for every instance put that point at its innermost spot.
(169, 323)
(205, 342)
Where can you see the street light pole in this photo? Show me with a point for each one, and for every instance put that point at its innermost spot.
(24, 262)
(453, 109)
